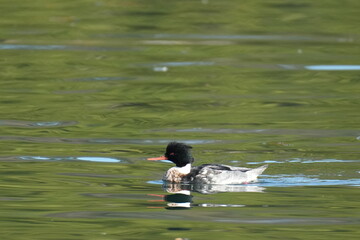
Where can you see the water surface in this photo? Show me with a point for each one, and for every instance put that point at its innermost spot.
(90, 89)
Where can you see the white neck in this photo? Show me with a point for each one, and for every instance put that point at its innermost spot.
(185, 169)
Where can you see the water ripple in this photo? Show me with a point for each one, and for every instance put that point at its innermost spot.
(183, 64)
(280, 180)
(284, 180)
(302, 132)
(259, 37)
(333, 67)
(204, 217)
(18, 123)
(31, 47)
(164, 66)
(104, 140)
(90, 159)
(59, 47)
(102, 79)
(299, 160)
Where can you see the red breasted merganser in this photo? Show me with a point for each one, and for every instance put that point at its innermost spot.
(180, 154)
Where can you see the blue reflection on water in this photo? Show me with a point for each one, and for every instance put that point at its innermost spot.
(299, 160)
(46, 124)
(58, 47)
(91, 159)
(31, 47)
(283, 180)
(98, 159)
(333, 67)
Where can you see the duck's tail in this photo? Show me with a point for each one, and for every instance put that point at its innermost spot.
(252, 174)
(257, 171)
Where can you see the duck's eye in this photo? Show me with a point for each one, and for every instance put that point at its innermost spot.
(172, 154)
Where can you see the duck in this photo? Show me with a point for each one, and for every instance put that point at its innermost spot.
(180, 154)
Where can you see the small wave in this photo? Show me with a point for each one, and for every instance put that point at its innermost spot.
(104, 140)
(235, 37)
(299, 160)
(302, 180)
(90, 159)
(302, 132)
(102, 79)
(31, 47)
(286, 180)
(17, 123)
(164, 66)
(333, 67)
(58, 47)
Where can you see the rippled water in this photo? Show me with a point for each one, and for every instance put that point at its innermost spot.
(90, 89)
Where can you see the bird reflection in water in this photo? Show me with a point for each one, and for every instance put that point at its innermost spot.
(177, 201)
(180, 197)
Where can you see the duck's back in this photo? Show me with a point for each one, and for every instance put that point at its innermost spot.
(224, 174)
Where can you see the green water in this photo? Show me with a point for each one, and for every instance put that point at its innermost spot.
(90, 89)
